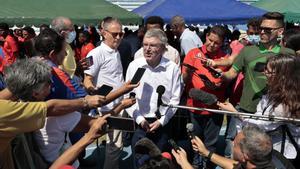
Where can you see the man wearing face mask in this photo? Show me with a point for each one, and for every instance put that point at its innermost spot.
(252, 37)
(64, 27)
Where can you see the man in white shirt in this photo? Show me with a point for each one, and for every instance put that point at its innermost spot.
(188, 39)
(107, 69)
(159, 71)
(170, 52)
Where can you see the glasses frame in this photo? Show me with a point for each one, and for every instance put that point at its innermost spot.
(115, 34)
(268, 30)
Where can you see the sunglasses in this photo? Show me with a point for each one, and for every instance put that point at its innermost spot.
(268, 30)
(115, 34)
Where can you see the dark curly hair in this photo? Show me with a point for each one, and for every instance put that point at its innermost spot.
(283, 86)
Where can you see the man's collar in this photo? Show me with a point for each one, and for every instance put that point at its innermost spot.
(275, 49)
(107, 48)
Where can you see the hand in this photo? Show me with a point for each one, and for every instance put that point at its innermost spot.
(180, 156)
(127, 87)
(199, 146)
(97, 129)
(145, 125)
(83, 65)
(95, 101)
(91, 90)
(128, 102)
(226, 106)
(155, 125)
(209, 62)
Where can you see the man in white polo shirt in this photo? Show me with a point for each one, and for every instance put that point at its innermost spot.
(188, 39)
(107, 69)
(160, 71)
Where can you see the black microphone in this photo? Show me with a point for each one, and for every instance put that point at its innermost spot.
(189, 66)
(190, 130)
(132, 95)
(204, 97)
(160, 90)
(146, 146)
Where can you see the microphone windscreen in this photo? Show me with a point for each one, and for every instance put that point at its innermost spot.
(160, 89)
(146, 146)
(190, 127)
(204, 97)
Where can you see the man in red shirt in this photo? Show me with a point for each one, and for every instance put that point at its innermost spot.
(207, 126)
(10, 46)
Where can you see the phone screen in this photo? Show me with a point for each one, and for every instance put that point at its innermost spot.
(121, 123)
(104, 90)
(138, 75)
(89, 61)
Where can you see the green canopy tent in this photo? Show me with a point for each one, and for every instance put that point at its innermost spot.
(36, 12)
(290, 8)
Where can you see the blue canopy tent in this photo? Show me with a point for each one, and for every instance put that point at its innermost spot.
(201, 11)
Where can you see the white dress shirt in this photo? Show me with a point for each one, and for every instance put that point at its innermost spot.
(167, 74)
(107, 69)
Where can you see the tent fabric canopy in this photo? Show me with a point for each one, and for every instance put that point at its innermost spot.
(36, 12)
(201, 11)
(290, 8)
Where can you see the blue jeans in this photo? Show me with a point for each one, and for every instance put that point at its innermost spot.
(206, 127)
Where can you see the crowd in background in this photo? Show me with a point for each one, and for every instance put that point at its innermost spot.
(49, 87)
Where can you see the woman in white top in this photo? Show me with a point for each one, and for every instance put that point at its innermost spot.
(282, 100)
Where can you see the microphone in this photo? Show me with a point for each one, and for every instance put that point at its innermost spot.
(204, 97)
(132, 95)
(160, 90)
(189, 66)
(146, 146)
(190, 130)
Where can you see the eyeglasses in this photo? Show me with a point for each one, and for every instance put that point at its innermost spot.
(151, 46)
(268, 30)
(115, 34)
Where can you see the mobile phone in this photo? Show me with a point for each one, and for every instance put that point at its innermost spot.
(260, 67)
(138, 75)
(104, 90)
(173, 144)
(121, 123)
(215, 73)
(89, 61)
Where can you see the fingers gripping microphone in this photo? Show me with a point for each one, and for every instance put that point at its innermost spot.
(132, 95)
(204, 97)
(160, 90)
(190, 130)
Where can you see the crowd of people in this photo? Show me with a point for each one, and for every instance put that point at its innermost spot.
(51, 108)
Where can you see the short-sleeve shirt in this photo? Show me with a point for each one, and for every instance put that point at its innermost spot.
(16, 118)
(255, 82)
(189, 40)
(198, 82)
(85, 49)
(107, 69)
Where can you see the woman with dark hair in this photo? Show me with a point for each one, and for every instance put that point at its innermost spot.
(282, 100)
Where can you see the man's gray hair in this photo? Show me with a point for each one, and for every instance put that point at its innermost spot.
(178, 21)
(26, 76)
(157, 33)
(59, 23)
(110, 20)
(257, 143)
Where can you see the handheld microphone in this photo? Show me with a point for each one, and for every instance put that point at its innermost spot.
(132, 95)
(160, 90)
(189, 66)
(190, 130)
(204, 97)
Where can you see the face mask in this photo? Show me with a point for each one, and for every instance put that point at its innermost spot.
(71, 37)
(253, 39)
